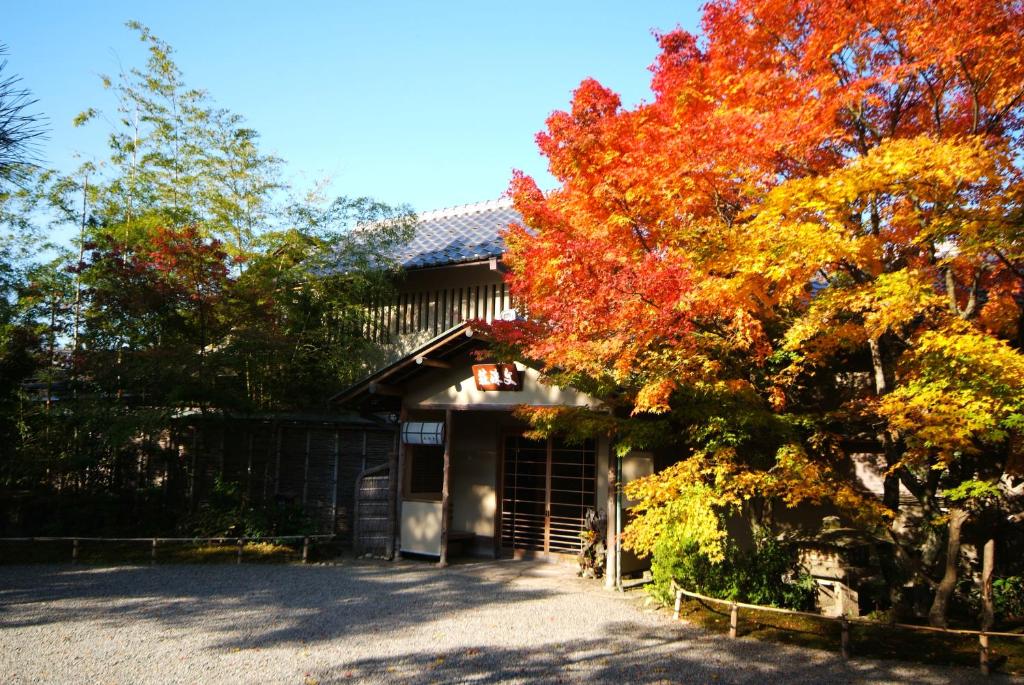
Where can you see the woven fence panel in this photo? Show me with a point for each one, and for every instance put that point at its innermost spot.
(375, 530)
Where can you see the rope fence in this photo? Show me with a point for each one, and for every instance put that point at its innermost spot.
(239, 542)
(844, 623)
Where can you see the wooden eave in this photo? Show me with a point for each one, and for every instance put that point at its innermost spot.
(398, 373)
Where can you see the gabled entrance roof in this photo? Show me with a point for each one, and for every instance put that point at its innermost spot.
(430, 355)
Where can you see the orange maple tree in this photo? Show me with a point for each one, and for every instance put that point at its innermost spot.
(821, 196)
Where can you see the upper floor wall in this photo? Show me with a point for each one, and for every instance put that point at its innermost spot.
(452, 273)
(432, 301)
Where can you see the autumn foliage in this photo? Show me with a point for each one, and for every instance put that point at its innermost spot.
(817, 222)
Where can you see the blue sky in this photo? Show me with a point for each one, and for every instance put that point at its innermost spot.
(427, 103)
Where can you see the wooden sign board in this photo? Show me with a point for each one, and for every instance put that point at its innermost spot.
(497, 377)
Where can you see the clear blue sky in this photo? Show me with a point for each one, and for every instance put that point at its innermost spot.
(428, 103)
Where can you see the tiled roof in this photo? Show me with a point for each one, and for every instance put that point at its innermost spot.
(459, 234)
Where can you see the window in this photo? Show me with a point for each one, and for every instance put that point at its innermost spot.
(426, 471)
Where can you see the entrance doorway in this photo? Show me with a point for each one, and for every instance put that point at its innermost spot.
(547, 487)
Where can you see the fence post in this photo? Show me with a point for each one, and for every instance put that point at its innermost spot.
(241, 545)
(844, 636)
(305, 549)
(679, 602)
(152, 553)
(74, 551)
(734, 618)
(983, 654)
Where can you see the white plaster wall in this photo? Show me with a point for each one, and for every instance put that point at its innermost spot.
(455, 387)
(421, 527)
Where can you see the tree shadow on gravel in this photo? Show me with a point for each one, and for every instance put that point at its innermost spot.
(637, 653)
(414, 623)
(254, 606)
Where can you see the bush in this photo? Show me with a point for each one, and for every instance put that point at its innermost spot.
(767, 574)
(226, 514)
(1008, 597)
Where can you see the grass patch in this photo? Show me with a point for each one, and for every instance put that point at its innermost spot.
(1006, 654)
(120, 553)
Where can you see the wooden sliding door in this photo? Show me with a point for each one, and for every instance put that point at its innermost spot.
(547, 487)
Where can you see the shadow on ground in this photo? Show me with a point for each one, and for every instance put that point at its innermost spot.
(411, 623)
(291, 603)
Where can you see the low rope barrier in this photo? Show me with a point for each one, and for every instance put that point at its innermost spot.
(844, 621)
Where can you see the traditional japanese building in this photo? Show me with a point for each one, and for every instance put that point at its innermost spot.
(466, 479)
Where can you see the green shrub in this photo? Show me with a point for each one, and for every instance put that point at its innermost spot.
(1008, 597)
(225, 513)
(767, 574)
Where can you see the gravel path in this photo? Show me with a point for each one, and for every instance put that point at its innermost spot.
(376, 622)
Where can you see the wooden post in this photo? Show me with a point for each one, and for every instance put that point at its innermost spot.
(305, 549)
(389, 547)
(241, 545)
(844, 636)
(983, 654)
(248, 467)
(445, 494)
(734, 619)
(305, 469)
(334, 483)
(396, 483)
(679, 602)
(152, 553)
(277, 459)
(610, 571)
(74, 551)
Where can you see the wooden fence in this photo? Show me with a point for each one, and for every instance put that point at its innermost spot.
(844, 622)
(304, 460)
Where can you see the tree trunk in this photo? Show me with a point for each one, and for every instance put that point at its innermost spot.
(940, 605)
(891, 483)
(988, 564)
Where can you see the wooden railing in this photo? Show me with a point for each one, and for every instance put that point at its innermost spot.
(844, 622)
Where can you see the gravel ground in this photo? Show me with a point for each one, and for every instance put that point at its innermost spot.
(377, 622)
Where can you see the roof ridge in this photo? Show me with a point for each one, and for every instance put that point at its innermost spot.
(462, 210)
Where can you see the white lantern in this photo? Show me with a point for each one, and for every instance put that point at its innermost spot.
(423, 432)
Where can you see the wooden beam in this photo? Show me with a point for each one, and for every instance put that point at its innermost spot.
(445, 494)
(385, 389)
(436, 363)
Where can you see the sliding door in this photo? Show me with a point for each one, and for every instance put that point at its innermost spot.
(547, 487)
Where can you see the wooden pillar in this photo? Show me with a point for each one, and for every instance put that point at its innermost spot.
(192, 471)
(305, 469)
(610, 572)
(248, 465)
(397, 479)
(334, 482)
(393, 494)
(277, 460)
(445, 495)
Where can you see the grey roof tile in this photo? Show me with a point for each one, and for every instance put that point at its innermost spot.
(460, 234)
